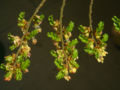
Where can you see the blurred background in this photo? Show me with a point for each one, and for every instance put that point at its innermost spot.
(91, 75)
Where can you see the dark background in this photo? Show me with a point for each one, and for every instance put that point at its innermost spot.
(91, 75)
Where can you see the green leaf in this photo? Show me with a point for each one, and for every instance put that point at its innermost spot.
(74, 63)
(2, 66)
(53, 53)
(81, 28)
(13, 47)
(73, 42)
(53, 36)
(51, 20)
(100, 26)
(105, 37)
(8, 74)
(75, 54)
(19, 59)
(8, 58)
(60, 75)
(116, 23)
(83, 38)
(42, 16)
(21, 16)
(89, 51)
(70, 27)
(18, 74)
(58, 64)
(32, 34)
(25, 64)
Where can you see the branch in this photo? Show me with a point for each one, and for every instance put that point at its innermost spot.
(28, 26)
(90, 17)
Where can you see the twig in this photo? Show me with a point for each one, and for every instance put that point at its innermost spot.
(61, 26)
(90, 18)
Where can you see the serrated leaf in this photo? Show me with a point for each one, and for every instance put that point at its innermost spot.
(105, 37)
(60, 75)
(25, 64)
(51, 20)
(89, 51)
(83, 38)
(73, 42)
(18, 74)
(75, 54)
(81, 28)
(74, 64)
(53, 36)
(70, 27)
(58, 64)
(100, 26)
(53, 53)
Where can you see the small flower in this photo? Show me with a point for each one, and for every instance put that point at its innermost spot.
(17, 40)
(67, 78)
(34, 41)
(73, 70)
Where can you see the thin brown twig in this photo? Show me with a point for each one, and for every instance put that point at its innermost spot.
(90, 18)
(61, 26)
(61, 33)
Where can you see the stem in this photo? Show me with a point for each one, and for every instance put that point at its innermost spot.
(61, 26)
(90, 18)
(61, 32)
(28, 26)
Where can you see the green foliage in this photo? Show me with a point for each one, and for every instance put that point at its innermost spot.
(21, 16)
(25, 64)
(70, 27)
(51, 20)
(83, 38)
(60, 75)
(74, 63)
(75, 54)
(100, 26)
(89, 51)
(53, 53)
(105, 37)
(53, 36)
(12, 47)
(18, 74)
(58, 64)
(32, 34)
(73, 43)
(81, 28)
(116, 23)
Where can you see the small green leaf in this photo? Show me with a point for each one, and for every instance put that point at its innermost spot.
(60, 75)
(70, 27)
(75, 54)
(73, 42)
(100, 26)
(74, 63)
(81, 28)
(89, 51)
(58, 64)
(105, 37)
(2, 66)
(25, 64)
(53, 53)
(53, 36)
(18, 74)
(51, 20)
(83, 38)
(12, 47)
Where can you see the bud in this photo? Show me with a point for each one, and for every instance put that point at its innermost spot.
(67, 78)
(34, 41)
